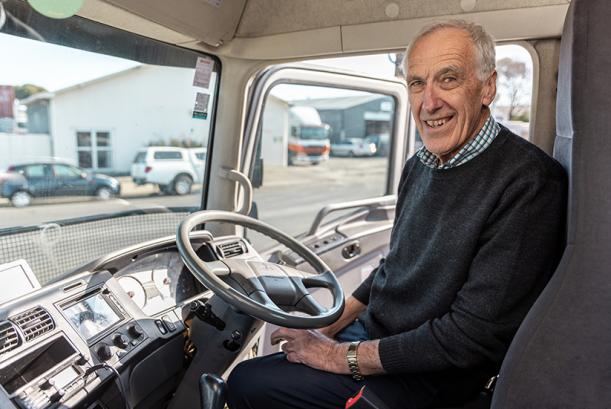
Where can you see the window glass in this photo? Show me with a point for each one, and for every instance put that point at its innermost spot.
(36, 171)
(93, 96)
(512, 105)
(200, 156)
(140, 157)
(66, 171)
(83, 139)
(320, 145)
(85, 159)
(102, 138)
(168, 155)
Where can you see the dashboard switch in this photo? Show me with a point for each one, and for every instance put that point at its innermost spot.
(168, 323)
(161, 327)
(104, 352)
(120, 340)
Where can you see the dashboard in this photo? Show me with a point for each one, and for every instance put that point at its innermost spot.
(61, 342)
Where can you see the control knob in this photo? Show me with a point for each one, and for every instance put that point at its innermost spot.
(104, 352)
(120, 340)
(47, 384)
(134, 331)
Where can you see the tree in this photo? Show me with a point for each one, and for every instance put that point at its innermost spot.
(512, 84)
(27, 90)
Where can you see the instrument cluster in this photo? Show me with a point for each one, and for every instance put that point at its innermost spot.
(157, 282)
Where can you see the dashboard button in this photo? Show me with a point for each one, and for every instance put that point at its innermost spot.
(104, 352)
(161, 327)
(168, 323)
(120, 340)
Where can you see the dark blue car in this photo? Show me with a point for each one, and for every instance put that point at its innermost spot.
(21, 183)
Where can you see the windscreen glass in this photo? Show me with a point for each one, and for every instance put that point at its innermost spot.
(99, 128)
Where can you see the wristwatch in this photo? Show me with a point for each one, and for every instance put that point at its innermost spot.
(353, 362)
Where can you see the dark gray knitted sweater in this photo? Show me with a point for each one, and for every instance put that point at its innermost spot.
(471, 249)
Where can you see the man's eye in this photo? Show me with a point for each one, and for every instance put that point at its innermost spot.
(414, 85)
(448, 80)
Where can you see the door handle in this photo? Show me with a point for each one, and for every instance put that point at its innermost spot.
(351, 250)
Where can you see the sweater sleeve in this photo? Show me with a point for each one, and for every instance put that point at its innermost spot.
(363, 291)
(518, 250)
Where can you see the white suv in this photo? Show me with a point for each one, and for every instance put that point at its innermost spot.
(174, 170)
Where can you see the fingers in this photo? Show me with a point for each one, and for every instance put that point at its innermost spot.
(282, 334)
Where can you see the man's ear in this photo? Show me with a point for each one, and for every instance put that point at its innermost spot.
(489, 90)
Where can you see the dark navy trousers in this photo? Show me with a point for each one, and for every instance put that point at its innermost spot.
(272, 382)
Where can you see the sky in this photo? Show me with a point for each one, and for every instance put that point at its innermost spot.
(55, 67)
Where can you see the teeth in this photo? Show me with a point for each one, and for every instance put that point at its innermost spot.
(435, 124)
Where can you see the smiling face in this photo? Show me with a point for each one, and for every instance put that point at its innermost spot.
(449, 102)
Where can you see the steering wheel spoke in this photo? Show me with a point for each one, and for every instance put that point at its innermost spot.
(309, 305)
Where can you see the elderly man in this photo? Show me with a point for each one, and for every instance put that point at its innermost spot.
(477, 234)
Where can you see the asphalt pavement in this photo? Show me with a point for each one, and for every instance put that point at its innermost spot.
(289, 198)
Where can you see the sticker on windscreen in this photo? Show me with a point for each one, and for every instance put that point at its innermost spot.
(203, 72)
(200, 111)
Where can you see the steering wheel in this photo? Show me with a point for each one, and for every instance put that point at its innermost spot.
(264, 290)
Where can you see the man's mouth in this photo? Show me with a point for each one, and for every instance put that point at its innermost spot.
(436, 123)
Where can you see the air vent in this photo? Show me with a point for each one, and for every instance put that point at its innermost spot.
(235, 248)
(9, 339)
(34, 323)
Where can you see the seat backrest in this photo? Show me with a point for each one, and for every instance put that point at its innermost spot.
(561, 355)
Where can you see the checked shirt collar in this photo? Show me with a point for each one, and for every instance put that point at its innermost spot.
(473, 148)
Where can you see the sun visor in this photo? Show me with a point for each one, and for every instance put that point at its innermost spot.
(213, 22)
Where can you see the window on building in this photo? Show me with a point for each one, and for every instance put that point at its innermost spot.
(94, 149)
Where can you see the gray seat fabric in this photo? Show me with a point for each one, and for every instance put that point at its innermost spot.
(561, 356)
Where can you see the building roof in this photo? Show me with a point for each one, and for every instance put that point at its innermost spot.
(338, 103)
(50, 95)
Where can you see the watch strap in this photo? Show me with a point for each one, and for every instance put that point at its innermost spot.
(353, 362)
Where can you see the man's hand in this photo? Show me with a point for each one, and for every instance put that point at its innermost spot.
(311, 348)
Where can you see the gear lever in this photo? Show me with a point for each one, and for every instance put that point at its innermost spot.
(212, 391)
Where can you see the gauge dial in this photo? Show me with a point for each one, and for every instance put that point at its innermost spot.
(134, 290)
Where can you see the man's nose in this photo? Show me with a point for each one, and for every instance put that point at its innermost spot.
(431, 101)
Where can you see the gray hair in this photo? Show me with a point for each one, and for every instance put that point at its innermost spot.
(483, 42)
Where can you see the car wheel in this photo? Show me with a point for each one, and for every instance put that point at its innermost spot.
(21, 199)
(182, 185)
(104, 193)
(351, 154)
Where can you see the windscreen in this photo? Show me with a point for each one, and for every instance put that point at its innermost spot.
(102, 124)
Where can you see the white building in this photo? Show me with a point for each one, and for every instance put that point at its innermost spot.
(101, 124)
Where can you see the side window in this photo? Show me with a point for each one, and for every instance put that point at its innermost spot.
(36, 171)
(64, 171)
(512, 105)
(168, 155)
(321, 145)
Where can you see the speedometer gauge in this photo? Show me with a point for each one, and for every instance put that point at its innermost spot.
(134, 290)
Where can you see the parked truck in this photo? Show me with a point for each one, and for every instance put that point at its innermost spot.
(308, 140)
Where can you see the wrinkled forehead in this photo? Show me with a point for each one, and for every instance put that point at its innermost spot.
(441, 48)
